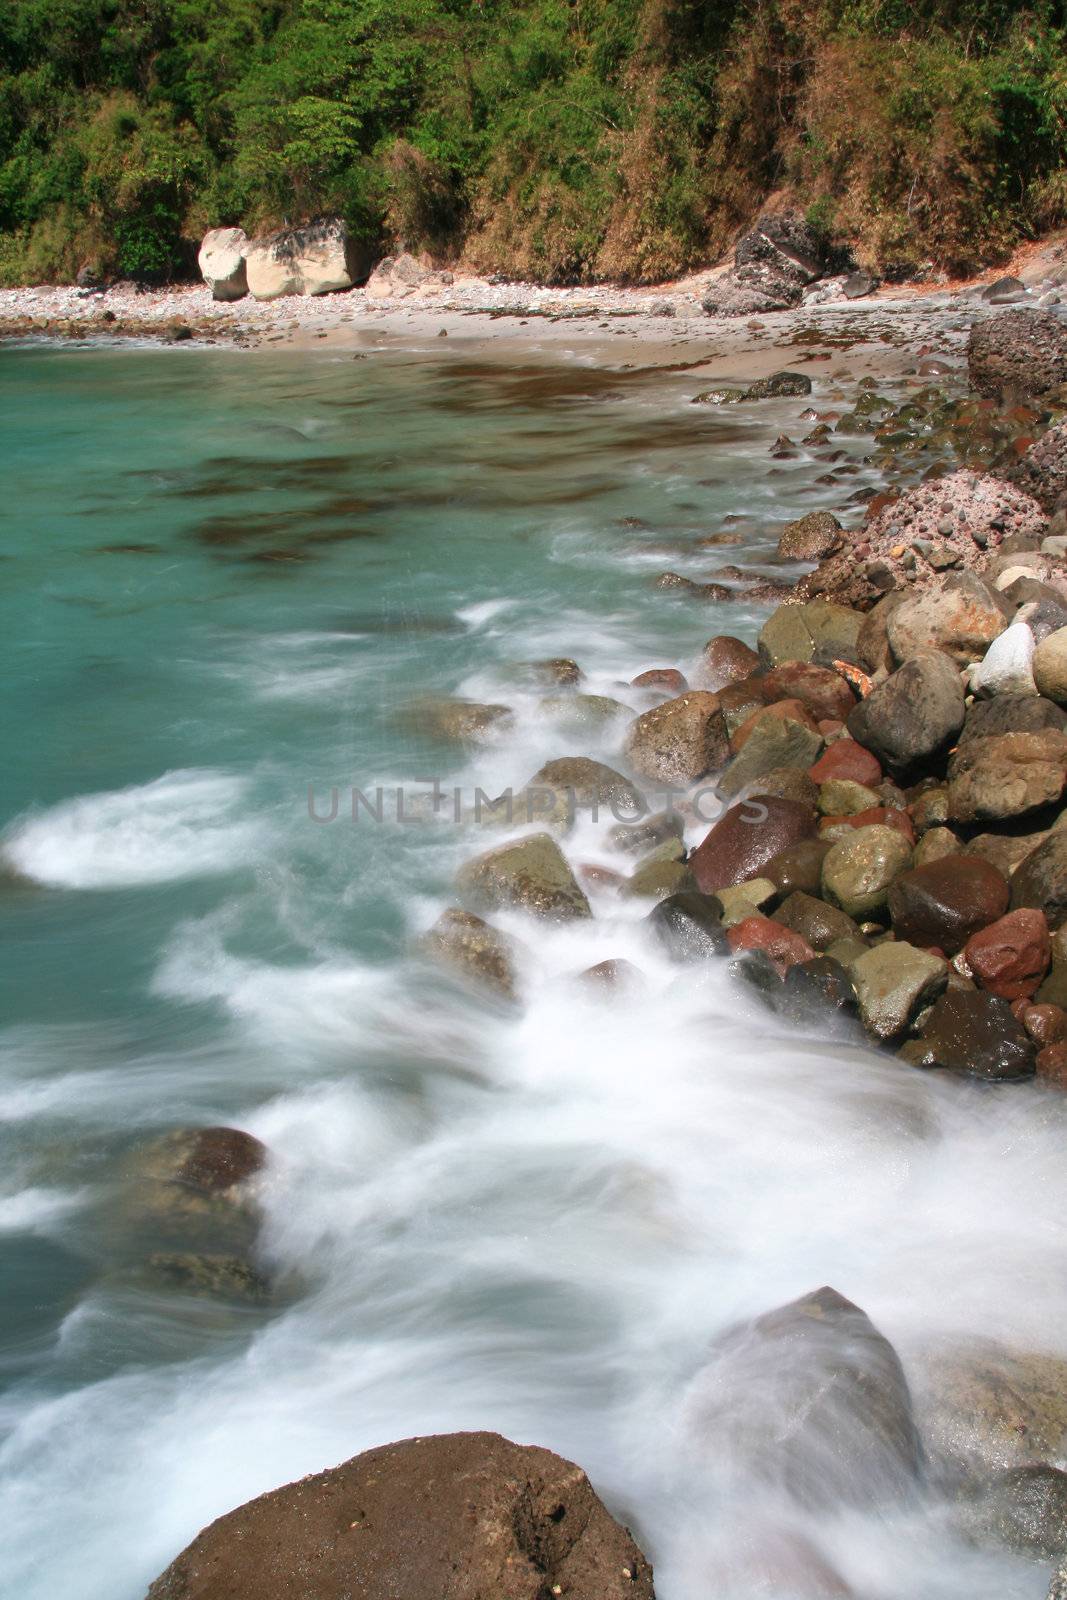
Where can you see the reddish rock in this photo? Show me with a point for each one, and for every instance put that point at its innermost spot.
(947, 901)
(594, 876)
(829, 727)
(1051, 1064)
(665, 678)
(726, 660)
(1046, 1024)
(746, 837)
(453, 1516)
(887, 816)
(738, 701)
(847, 759)
(1012, 955)
(784, 947)
(824, 692)
(220, 1158)
(781, 711)
(609, 974)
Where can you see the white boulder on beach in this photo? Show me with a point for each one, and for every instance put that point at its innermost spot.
(222, 263)
(316, 258)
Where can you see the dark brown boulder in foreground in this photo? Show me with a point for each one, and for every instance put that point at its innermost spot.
(459, 1516)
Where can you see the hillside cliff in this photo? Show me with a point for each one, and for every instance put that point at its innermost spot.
(554, 141)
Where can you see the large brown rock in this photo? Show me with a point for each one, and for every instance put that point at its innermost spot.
(1040, 880)
(474, 950)
(812, 1399)
(745, 838)
(724, 660)
(590, 785)
(1006, 775)
(1011, 713)
(530, 875)
(460, 1516)
(914, 714)
(959, 615)
(1017, 354)
(798, 868)
(680, 741)
(822, 691)
(984, 1407)
(810, 538)
(945, 902)
(816, 922)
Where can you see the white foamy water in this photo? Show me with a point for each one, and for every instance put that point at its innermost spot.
(182, 825)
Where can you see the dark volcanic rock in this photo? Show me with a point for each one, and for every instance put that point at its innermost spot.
(456, 1516)
(945, 902)
(746, 837)
(822, 1364)
(817, 986)
(786, 241)
(690, 926)
(1011, 713)
(1042, 471)
(976, 1033)
(914, 714)
(1018, 354)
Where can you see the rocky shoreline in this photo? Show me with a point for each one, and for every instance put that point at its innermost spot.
(889, 864)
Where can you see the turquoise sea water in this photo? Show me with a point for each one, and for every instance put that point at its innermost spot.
(225, 579)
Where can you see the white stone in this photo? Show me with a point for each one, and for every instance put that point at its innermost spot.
(222, 263)
(271, 267)
(1007, 667)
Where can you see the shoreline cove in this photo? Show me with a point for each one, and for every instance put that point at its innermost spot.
(571, 1126)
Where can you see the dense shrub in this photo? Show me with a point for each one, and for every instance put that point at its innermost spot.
(563, 140)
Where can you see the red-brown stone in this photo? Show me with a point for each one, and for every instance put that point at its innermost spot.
(727, 660)
(885, 816)
(945, 902)
(847, 759)
(784, 947)
(666, 678)
(1046, 1024)
(782, 710)
(1011, 955)
(746, 837)
(823, 691)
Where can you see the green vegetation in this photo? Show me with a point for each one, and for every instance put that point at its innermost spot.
(563, 140)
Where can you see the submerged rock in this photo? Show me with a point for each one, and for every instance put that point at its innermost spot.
(690, 926)
(591, 784)
(473, 949)
(454, 1516)
(530, 875)
(810, 538)
(984, 1407)
(812, 1399)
